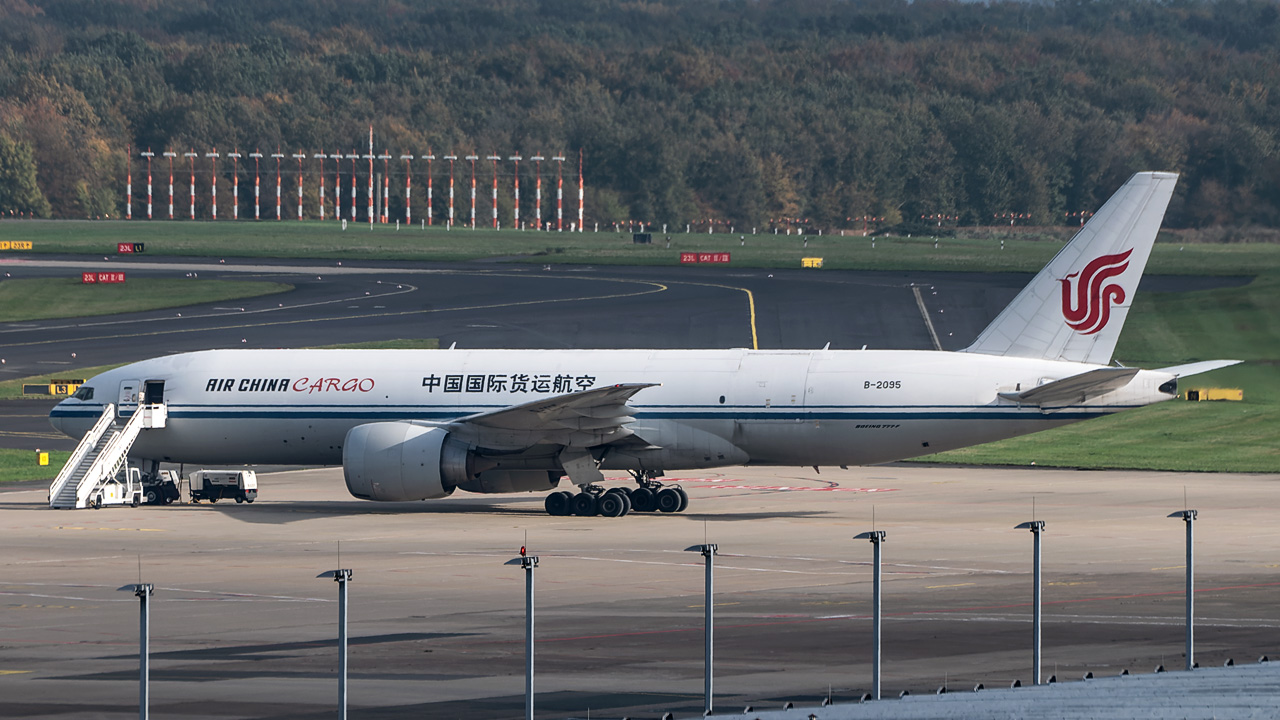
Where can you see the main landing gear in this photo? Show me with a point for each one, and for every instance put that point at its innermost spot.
(651, 496)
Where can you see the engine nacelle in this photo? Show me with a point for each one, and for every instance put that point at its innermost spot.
(396, 461)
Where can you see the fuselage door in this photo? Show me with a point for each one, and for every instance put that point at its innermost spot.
(128, 398)
(154, 392)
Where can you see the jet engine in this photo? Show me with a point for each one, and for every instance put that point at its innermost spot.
(398, 461)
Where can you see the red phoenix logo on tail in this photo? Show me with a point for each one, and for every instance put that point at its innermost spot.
(1090, 308)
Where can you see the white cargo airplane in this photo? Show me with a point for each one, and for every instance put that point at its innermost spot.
(419, 424)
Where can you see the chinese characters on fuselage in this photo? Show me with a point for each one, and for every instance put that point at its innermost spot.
(515, 382)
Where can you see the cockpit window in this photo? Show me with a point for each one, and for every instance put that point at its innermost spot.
(84, 392)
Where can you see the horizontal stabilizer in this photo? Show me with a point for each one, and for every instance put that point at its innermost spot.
(1198, 367)
(1075, 389)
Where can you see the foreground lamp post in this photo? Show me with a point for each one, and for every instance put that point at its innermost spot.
(1189, 517)
(1036, 527)
(708, 551)
(877, 538)
(144, 592)
(529, 563)
(342, 577)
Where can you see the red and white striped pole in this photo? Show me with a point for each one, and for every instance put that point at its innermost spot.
(559, 192)
(450, 158)
(257, 184)
(537, 205)
(300, 157)
(128, 182)
(192, 155)
(148, 155)
(429, 157)
(495, 160)
(352, 156)
(171, 155)
(235, 183)
(321, 156)
(213, 173)
(473, 157)
(581, 203)
(515, 211)
(369, 157)
(386, 187)
(408, 188)
(337, 185)
(278, 156)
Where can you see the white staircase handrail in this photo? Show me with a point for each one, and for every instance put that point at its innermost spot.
(86, 444)
(108, 463)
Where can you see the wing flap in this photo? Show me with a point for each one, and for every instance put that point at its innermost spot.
(596, 409)
(1076, 388)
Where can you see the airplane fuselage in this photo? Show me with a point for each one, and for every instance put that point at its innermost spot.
(711, 407)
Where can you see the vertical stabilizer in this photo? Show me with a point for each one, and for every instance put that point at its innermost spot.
(1075, 307)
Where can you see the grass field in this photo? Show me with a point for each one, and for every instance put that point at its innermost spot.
(20, 465)
(1022, 251)
(48, 298)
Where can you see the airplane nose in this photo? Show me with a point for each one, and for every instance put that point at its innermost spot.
(55, 419)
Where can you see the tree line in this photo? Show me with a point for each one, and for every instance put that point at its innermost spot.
(742, 111)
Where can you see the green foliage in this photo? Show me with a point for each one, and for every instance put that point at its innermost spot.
(741, 112)
(18, 190)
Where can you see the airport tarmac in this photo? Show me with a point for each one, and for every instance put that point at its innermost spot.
(241, 627)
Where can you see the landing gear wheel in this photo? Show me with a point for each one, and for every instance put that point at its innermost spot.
(612, 504)
(625, 495)
(642, 500)
(584, 505)
(559, 503)
(669, 500)
(684, 498)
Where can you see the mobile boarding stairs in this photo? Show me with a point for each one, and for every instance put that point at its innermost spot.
(98, 472)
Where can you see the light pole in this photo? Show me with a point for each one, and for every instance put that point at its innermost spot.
(144, 592)
(213, 175)
(529, 563)
(337, 185)
(148, 155)
(515, 213)
(353, 157)
(257, 184)
(299, 157)
(1036, 527)
(877, 539)
(192, 156)
(559, 192)
(1189, 517)
(450, 158)
(537, 173)
(408, 187)
(473, 157)
(278, 155)
(342, 577)
(321, 157)
(128, 182)
(171, 155)
(708, 551)
(495, 159)
(235, 183)
(430, 157)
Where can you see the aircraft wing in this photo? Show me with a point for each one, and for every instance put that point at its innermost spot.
(1197, 367)
(582, 418)
(1075, 389)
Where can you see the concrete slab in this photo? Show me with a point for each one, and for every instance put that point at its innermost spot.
(241, 627)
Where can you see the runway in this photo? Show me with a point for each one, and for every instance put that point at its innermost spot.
(241, 627)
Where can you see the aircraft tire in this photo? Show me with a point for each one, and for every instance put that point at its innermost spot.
(559, 503)
(668, 500)
(612, 504)
(684, 498)
(584, 505)
(642, 500)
